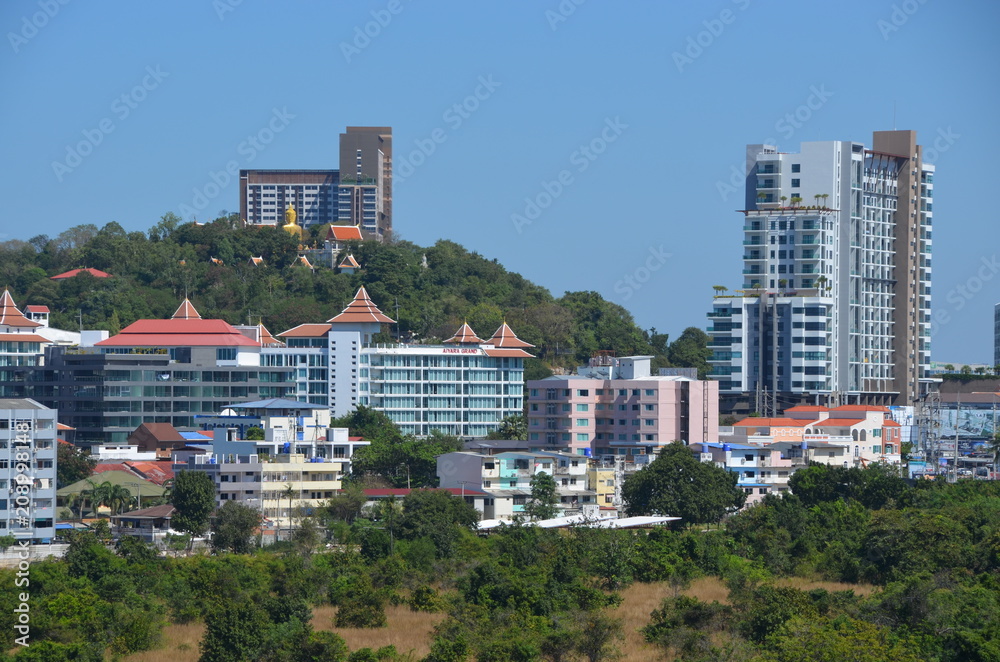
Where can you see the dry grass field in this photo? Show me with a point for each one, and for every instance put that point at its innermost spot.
(410, 632)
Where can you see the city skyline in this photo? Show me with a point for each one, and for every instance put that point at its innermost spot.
(632, 118)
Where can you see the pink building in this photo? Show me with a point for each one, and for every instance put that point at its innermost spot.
(614, 406)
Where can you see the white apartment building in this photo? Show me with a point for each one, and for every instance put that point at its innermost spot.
(506, 478)
(840, 227)
(464, 387)
(27, 470)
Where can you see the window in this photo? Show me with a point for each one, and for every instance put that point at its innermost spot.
(796, 167)
(225, 354)
(650, 391)
(487, 483)
(582, 422)
(795, 183)
(583, 392)
(582, 407)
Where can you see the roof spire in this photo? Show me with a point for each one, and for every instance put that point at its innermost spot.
(505, 337)
(362, 310)
(465, 335)
(186, 311)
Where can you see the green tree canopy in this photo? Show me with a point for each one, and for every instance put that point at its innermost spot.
(194, 498)
(677, 484)
(544, 500)
(72, 465)
(234, 528)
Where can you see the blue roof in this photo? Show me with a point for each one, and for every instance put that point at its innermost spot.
(195, 436)
(739, 447)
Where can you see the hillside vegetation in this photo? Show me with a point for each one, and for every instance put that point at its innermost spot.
(152, 271)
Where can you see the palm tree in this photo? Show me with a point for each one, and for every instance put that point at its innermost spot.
(719, 289)
(816, 198)
(825, 196)
(289, 492)
(783, 199)
(118, 497)
(101, 495)
(994, 448)
(88, 493)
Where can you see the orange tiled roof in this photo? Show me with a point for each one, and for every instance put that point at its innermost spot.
(266, 339)
(306, 331)
(186, 311)
(361, 311)
(890, 423)
(505, 337)
(10, 315)
(507, 353)
(465, 335)
(22, 337)
(256, 261)
(810, 408)
(350, 263)
(37, 309)
(344, 233)
(860, 408)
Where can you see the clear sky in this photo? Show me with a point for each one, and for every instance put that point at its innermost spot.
(622, 121)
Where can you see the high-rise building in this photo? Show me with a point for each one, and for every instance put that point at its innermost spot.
(359, 193)
(836, 295)
(27, 470)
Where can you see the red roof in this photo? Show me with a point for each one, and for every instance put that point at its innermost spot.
(810, 408)
(306, 331)
(465, 335)
(860, 408)
(838, 422)
(890, 423)
(361, 310)
(63, 426)
(154, 472)
(96, 273)
(772, 422)
(268, 340)
(350, 263)
(11, 316)
(37, 309)
(186, 311)
(344, 233)
(179, 333)
(505, 337)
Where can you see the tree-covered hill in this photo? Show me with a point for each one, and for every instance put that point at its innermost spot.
(211, 263)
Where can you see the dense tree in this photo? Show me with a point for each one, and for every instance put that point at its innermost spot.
(691, 350)
(544, 500)
(234, 528)
(512, 427)
(72, 465)
(193, 496)
(677, 484)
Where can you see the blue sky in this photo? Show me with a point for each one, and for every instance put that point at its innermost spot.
(622, 121)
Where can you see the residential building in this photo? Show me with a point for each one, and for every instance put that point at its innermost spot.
(760, 470)
(284, 484)
(154, 371)
(615, 406)
(27, 470)
(464, 387)
(359, 193)
(23, 339)
(836, 292)
(506, 479)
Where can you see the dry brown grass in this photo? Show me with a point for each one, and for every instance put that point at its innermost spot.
(408, 631)
(805, 584)
(180, 644)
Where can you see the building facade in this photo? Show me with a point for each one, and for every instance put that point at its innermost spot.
(615, 406)
(843, 230)
(463, 387)
(156, 371)
(996, 335)
(27, 470)
(358, 194)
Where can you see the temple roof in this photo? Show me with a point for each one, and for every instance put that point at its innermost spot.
(465, 335)
(505, 337)
(361, 310)
(186, 311)
(350, 263)
(10, 314)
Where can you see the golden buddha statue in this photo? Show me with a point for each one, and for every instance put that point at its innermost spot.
(291, 225)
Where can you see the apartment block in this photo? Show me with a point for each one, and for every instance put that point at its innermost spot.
(615, 406)
(359, 193)
(464, 387)
(846, 231)
(27, 470)
(506, 479)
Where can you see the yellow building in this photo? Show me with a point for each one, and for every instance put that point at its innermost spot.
(601, 479)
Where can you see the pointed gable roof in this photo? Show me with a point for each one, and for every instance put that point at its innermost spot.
(350, 263)
(186, 311)
(268, 340)
(361, 310)
(10, 315)
(72, 273)
(464, 335)
(505, 337)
